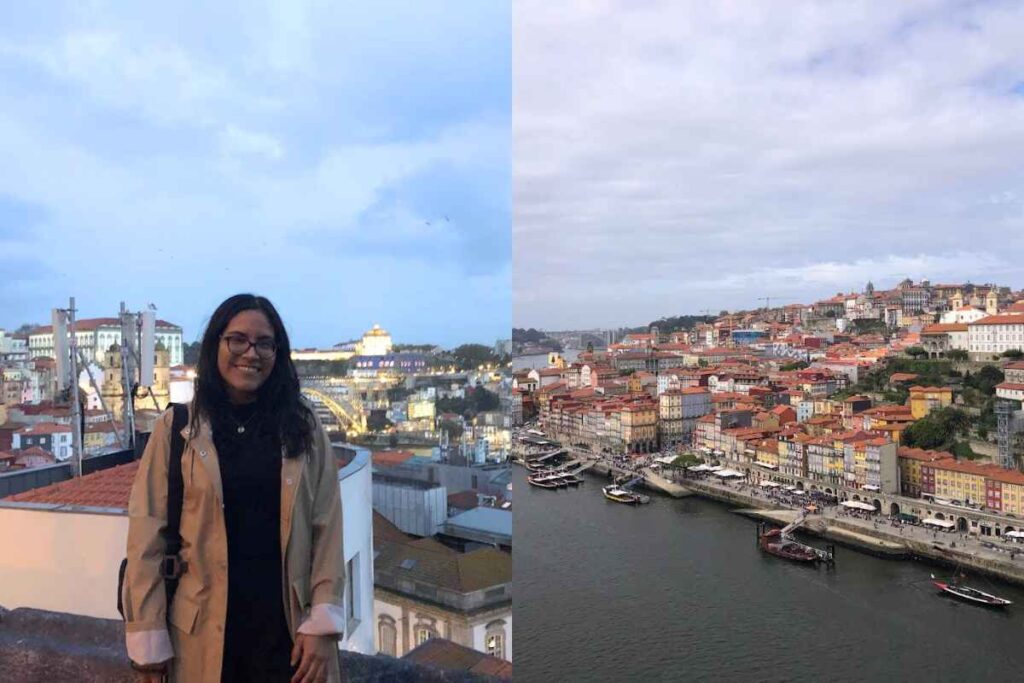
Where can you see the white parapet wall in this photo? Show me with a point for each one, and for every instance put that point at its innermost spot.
(54, 559)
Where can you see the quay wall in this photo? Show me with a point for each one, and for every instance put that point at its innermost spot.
(861, 539)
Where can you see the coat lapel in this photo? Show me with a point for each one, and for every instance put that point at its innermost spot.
(202, 443)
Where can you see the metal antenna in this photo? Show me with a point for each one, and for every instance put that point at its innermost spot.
(76, 405)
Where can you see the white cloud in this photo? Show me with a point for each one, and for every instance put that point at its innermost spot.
(244, 142)
(663, 147)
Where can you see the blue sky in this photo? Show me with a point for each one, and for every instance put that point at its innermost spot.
(350, 163)
(711, 153)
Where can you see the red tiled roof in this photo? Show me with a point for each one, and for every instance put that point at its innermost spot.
(391, 458)
(464, 500)
(1011, 386)
(109, 488)
(44, 428)
(90, 325)
(1002, 319)
(444, 654)
(944, 328)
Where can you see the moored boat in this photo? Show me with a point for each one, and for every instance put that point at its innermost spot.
(969, 594)
(541, 481)
(774, 543)
(620, 495)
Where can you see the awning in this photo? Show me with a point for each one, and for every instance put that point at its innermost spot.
(724, 474)
(857, 505)
(666, 460)
(942, 523)
(698, 468)
(766, 465)
(871, 487)
(1014, 534)
(769, 484)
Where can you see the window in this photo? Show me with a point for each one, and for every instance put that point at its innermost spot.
(351, 594)
(494, 639)
(424, 632)
(387, 636)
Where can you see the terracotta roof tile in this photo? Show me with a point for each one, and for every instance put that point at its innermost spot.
(109, 488)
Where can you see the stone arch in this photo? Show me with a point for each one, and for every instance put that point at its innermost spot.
(878, 505)
(828, 491)
(894, 509)
(799, 486)
(939, 515)
(961, 524)
(1008, 528)
(856, 496)
(814, 487)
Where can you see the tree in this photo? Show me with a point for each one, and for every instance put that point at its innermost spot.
(377, 421)
(481, 400)
(1015, 354)
(190, 353)
(453, 428)
(956, 354)
(471, 356)
(916, 352)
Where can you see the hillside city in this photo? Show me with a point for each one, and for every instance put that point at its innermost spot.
(422, 439)
(903, 403)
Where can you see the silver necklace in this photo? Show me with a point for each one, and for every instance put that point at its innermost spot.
(243, 425)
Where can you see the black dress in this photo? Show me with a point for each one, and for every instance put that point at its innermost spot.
(257, 642)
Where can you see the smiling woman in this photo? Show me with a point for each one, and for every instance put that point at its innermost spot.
(266, 486)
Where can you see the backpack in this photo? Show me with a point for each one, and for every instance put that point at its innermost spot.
(172, 567)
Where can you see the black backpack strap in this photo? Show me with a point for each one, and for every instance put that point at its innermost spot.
(175, 494)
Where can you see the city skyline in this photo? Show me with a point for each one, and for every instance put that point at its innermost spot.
(141, 153)
(698, 157)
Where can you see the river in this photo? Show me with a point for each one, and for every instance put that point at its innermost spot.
(677, 590)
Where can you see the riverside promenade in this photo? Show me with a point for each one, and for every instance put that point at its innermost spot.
(875, 535)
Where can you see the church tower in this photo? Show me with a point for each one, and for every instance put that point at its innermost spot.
(112, 391)
(992, 302)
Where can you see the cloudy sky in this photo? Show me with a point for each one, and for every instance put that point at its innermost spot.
(351, 164)
(671, 157)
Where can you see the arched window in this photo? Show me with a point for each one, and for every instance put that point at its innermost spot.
(494, 639)
(423, 633)
(387, 636)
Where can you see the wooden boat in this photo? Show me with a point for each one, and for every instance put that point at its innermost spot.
(774, 543)
(541, 481)
(620, 495)
(968, 594)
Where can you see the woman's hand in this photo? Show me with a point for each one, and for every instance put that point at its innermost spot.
(312, 654)
(153, 673)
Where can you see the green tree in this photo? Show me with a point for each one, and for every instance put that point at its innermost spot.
(956, 354)
(916, 352)
(481, 400)
(377, 421)
(190, 353)
(1015, 354)
(471, 356)
(453, 428)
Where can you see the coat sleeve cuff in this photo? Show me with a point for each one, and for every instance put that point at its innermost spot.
(149, 647)
(324, 619)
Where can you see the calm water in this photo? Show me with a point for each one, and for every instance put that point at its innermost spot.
(677, 590)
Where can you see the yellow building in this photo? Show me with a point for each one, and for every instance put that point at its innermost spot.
(924, 400)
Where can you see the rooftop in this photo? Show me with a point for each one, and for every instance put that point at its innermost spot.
(445, 654)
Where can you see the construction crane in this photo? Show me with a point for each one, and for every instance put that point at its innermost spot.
(767, 301)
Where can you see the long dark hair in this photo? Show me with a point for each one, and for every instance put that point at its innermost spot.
(279, 400)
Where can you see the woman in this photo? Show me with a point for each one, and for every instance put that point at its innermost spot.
(260, 598)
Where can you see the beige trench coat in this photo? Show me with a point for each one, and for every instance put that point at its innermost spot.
(311, 551)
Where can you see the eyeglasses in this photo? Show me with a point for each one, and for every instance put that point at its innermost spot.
(239, 344)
